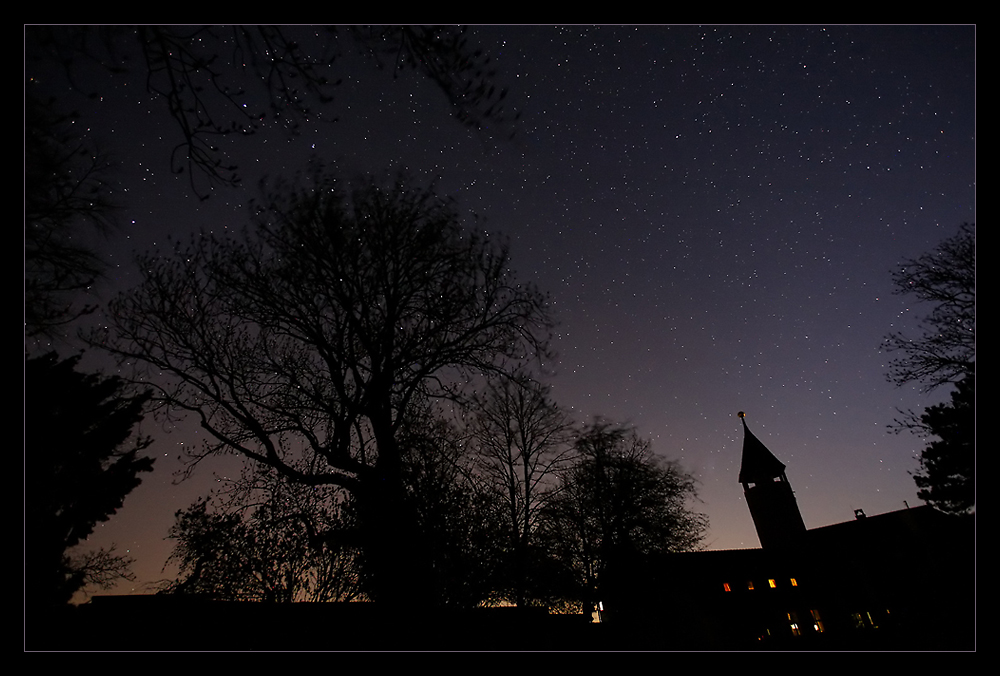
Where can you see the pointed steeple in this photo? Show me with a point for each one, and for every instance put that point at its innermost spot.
(759, 464)
(769, 495)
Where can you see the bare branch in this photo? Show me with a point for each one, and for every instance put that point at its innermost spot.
(309, 346)
(946, 350)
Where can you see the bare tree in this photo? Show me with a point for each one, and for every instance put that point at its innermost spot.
(285, 543)
(219, 82)
(522, 439)
(460, 524)
(66, 198)
(946, 279)
(308, 345)
(618, 506)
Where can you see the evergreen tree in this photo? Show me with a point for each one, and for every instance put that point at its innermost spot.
(80, 461)
(947, 466)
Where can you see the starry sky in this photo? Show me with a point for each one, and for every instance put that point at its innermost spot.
(715, 211)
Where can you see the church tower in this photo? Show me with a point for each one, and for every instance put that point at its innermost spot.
(769, 495)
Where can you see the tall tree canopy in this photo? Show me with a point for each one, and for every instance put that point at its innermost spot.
(78, 468)
(309, 344)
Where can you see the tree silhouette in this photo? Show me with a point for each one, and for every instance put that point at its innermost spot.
(522, 439)
(308, 345)
(282, 550)
(945, 278)
(212, 79)
(215, 82)
(618, 506)
(65, 193)
(947, 476)
(460, 525)
(944, 355)
(78, 468)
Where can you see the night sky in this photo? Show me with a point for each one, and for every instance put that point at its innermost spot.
(715, 211)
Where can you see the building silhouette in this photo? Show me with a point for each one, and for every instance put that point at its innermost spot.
(903, 580)
(900, 580)
(769, 495)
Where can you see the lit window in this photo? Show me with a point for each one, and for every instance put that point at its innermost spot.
(793, 621)
(772, 584)
(817, 621)
(794, 582)
(750, 585)
(725, 585)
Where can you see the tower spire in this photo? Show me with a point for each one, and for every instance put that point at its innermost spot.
(769, 495)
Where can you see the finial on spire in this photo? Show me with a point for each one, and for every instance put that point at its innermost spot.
(742, 415)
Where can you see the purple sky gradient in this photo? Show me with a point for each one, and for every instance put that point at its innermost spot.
(714, 209)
